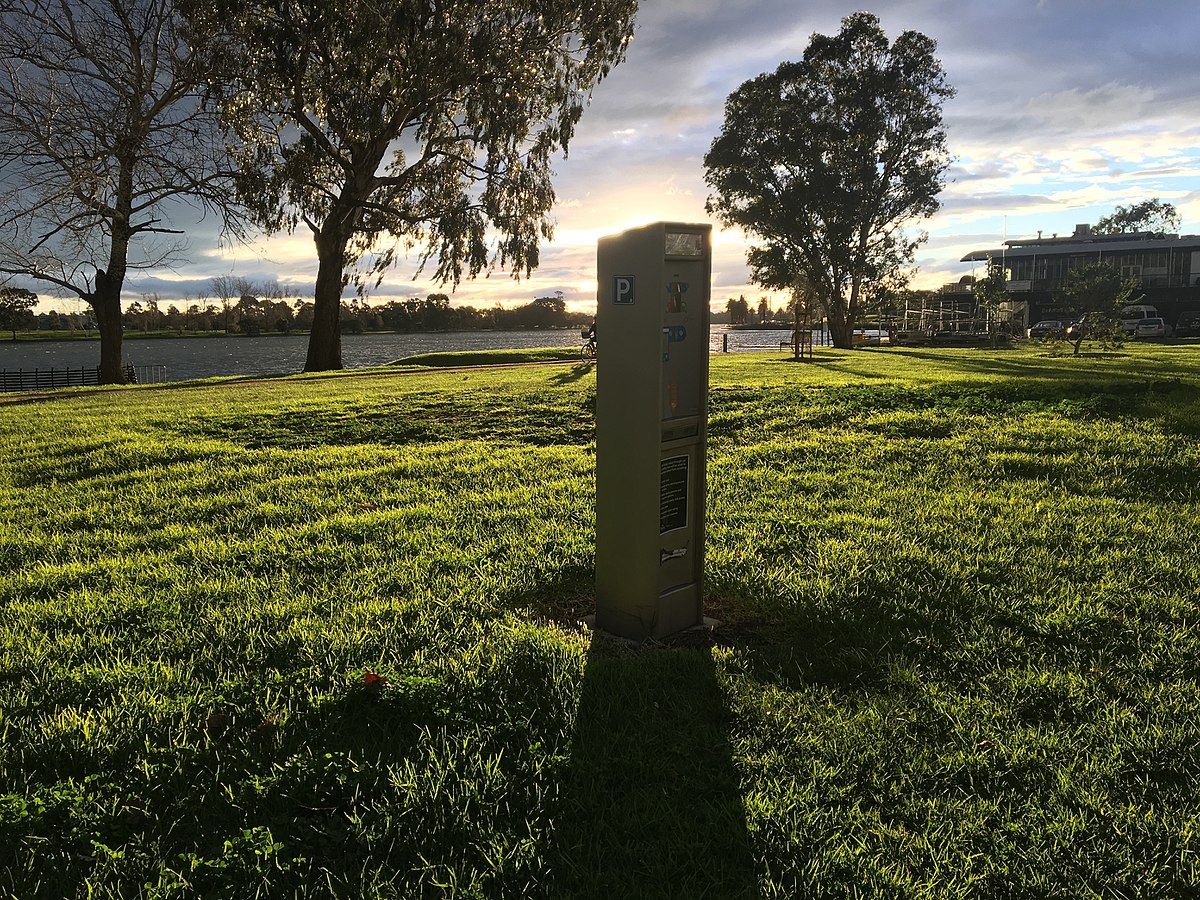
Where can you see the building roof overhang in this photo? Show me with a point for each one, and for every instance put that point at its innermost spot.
(1062, 246)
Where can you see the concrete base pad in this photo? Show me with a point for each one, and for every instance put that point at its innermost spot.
(706, 624)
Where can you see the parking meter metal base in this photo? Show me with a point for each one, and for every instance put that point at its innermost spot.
(651, 428)
(707, 624)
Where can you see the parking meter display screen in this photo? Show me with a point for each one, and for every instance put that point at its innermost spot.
(684, 243)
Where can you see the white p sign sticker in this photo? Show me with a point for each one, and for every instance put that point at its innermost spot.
(623, 293)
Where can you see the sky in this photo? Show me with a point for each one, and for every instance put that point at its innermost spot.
(1064, 110)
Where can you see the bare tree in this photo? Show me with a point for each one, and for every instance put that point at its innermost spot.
(103, 133)
(226, 288)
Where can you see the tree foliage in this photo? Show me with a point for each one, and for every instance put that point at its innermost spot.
(1095, 292)
(827, 159)
(409, 126)
(739, 311)
(1152, 215)
(101, 132)
(15, 304)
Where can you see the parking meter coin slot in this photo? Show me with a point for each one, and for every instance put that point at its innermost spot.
(676, 302)
(665, 556)
(675, 567)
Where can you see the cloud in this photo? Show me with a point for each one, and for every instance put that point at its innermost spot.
(970, 207)
(982, 170)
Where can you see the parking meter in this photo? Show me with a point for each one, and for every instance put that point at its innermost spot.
(651, 428)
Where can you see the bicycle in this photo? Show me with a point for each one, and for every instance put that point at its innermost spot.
(588, 350)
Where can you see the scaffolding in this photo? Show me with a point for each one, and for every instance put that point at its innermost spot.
(954, 310)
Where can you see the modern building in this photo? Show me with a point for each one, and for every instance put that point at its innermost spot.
(1165, 266)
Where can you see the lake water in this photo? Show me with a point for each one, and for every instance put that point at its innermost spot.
(182, 359)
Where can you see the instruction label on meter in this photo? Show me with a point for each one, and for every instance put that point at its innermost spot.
(673, 494)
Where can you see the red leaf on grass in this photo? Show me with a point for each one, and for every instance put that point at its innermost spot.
(217, 723)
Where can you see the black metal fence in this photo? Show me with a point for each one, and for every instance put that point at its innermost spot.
(47, 379)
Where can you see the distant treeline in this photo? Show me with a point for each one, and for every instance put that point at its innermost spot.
(259, 312)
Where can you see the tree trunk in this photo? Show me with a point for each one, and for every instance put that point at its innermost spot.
(106, 297)
(1080, 335)
(844, 311)
(107, 307)
(325, 335)
(796, 331)
(106, 303)
(841, 328)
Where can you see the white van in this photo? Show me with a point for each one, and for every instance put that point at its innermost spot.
(1131, 315)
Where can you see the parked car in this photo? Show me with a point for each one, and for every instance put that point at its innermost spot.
(1131, 315)
(1188, 325)
(1150, 328)
(1049, 328)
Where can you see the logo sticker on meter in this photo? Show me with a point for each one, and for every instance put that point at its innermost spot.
(623, 290)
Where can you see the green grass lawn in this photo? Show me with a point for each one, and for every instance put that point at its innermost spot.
(320, 637)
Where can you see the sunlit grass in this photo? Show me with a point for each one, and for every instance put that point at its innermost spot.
(958, 653)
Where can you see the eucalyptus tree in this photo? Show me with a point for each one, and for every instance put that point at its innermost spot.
(423, 126)
(827, 160)
(1153, 215)
(102, 133)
